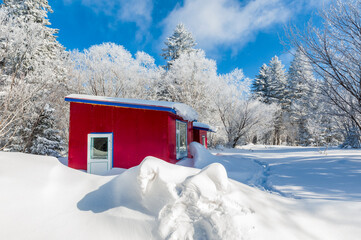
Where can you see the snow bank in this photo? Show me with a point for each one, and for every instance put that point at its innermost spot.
(155, 200)
(242, 168)
(43, 199)
(193, 205)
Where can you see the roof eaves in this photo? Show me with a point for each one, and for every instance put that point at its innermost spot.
(119, 104)
(205, 129)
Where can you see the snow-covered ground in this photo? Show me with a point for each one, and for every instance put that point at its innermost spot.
(305, 172)
(283, 193)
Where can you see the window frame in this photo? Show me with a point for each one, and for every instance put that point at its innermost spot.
(181, 154)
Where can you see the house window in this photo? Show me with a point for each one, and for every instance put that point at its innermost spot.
(204, 140)
(99, 148)
(181, 134)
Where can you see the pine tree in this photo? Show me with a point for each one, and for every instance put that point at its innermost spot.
(179, 43)
(32, 69)
(260, 85)
(301, 84)
(270, 87)
(277, 80)
(45, 138)
(30, 16)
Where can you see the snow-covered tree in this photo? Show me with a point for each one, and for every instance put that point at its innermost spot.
(302, 92)
(260, 85)
(45, 138)
(179, 43)
(333, 48)
(110, 70)
(189, 80)
(270, 84)
(277, 80)
(270, 87)
(240, 115)
(32, 69)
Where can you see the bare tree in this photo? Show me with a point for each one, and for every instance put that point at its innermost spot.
(334, 50)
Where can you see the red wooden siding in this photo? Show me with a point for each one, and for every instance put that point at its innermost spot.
(137, 133)
(198, 134)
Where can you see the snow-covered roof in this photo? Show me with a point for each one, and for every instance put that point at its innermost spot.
(203, 126)
(182, 110)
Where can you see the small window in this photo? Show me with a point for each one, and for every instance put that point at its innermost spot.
(99, 148)
(204, 140)
(181, 137)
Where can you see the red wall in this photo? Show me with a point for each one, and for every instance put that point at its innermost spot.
(198, 134)
(137, 133)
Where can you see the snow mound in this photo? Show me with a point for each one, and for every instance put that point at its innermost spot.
(201, 210)
(156, 200)
(186, 203)
(241, 168)
(189, 203)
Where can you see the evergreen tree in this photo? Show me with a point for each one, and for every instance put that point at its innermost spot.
(45, 138)
(179, 43)
(270, 87)
(300, 76)
(301, 91)
(260, 85)
(32, 69)
(277, 82)
(38, 41)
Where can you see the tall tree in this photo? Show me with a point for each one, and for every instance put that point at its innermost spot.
(270, 88)
(189, 81)
(277, 80)
(260, 85)
(179, 43)
(302, 92)
(45, 138)
(109, 69)
(31, 65)
(334, 51)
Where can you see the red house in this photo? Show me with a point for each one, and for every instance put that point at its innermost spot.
(107, 132)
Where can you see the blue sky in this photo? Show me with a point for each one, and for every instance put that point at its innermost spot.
(237, 34)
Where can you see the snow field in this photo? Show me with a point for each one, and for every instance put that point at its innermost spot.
(43, 199)
(47, 200)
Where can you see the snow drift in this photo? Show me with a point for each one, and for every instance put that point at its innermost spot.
(43, 199)
(47, 200)
(242, 169)
(186, 203)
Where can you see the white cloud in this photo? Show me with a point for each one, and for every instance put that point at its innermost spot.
(231, 23)
(226, 22)
(137, 11)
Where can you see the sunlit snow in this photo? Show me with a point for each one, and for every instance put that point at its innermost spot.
(284, 193)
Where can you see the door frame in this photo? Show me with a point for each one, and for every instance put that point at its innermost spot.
(109, 159)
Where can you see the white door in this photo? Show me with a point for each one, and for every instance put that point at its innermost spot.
(100, 152)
